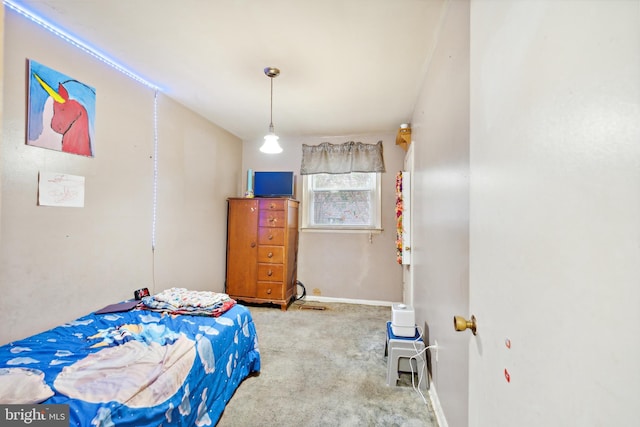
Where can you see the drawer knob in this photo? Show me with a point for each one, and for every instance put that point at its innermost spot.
(270, 255)
(269, 273)
(270, 237)
(253, 244)
(272, 205)
(269, 291)
(272, 219)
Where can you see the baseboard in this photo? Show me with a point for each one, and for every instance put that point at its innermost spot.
(347, 300)
(437, 408)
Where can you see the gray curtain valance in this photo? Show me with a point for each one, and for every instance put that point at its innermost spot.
(341, 158)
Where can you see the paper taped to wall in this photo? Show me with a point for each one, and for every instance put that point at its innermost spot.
(59, 189)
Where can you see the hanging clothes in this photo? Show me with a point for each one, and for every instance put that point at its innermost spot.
(399, 212)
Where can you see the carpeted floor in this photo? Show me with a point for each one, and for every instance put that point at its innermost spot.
(324, 368)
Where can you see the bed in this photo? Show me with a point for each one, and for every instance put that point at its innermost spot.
(135, 368)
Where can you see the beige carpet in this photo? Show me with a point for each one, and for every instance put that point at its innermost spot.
(324, 368)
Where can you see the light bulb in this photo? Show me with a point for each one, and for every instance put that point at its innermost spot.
(271, 145)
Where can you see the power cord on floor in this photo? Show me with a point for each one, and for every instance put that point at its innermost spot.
(304, 290)
(419, 353)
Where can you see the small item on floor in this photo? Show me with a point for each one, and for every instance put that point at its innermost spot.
(312, 307)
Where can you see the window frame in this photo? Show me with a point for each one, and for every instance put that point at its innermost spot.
(337, 228)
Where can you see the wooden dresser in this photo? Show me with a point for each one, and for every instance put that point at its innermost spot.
(262, 250)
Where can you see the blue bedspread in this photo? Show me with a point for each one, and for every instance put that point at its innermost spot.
(136, 368)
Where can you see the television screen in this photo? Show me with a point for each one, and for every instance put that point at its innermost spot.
(273, 184)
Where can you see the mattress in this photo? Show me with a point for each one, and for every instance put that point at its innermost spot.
(134, 368)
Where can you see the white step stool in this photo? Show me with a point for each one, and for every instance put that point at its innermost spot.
(398, 348)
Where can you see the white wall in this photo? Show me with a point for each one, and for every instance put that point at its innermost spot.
(440, 243)
(339, 265)
(555, 212)
(199, 168)
(551, 91)
(59, 263)
(1, 106)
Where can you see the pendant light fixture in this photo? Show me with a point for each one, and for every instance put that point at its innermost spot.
(271, 145)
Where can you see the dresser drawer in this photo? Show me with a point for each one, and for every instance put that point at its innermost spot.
(272, 205)
(270, 272)
(271, 254)
(271, 219)
(271, 236)
(269, 290)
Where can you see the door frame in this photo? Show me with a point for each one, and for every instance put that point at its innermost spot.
(407, 271)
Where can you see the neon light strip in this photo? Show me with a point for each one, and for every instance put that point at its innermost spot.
(77, 43)
(155, 170)
(101, 57)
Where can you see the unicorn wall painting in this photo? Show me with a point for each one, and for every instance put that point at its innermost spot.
(61, 112)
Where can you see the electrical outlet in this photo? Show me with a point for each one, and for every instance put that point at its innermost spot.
(435, 345)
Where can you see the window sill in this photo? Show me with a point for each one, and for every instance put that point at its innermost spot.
(341, 230)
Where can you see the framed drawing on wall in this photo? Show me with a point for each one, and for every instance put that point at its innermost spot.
(60, 111)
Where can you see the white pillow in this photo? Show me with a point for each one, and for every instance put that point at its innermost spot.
(23, 386)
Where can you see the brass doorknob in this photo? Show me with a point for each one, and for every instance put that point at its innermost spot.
(460, 324)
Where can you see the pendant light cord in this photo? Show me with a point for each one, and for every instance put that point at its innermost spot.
(271, 114)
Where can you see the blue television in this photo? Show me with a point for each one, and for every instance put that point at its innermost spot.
(273, 184)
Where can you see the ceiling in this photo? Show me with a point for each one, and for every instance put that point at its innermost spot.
(346, 66)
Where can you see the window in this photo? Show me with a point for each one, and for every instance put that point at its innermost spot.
(349, 201)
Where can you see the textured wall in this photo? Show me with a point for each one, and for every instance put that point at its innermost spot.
(441, 207)
(59, 263)
(343, 265)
